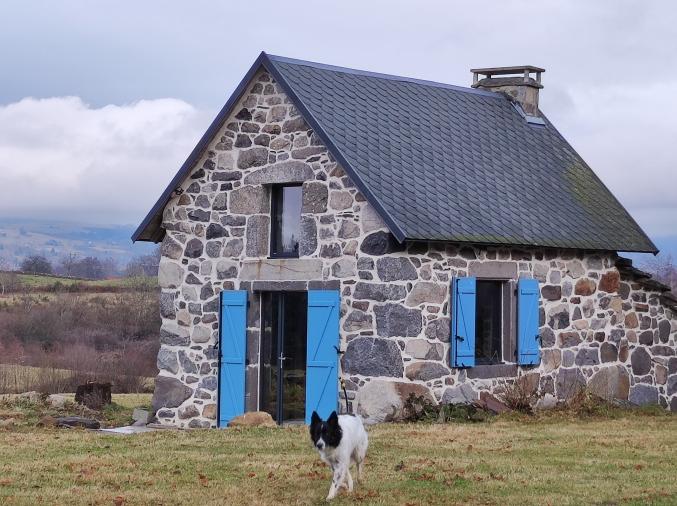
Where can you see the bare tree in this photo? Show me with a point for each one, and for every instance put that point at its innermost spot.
(9, 280)
(663, 269)
(109, 267)
(36, 264)
(67, 263)
(88, 267)
(144, 265)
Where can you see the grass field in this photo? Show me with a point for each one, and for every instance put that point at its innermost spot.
(552, 460)
(38, 281)
(25, 415)
(22, 378)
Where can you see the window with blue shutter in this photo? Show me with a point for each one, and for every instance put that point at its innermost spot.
(528, 338)
(322, 361)
(464, 294)
(233, 346)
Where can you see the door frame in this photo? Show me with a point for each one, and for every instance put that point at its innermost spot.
(279, 338)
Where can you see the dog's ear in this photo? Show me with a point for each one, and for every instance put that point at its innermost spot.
(333, 418)
(315, 418)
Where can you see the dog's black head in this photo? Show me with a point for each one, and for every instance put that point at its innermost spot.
(326, 433)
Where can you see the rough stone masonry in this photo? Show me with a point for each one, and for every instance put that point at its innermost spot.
(600, 326)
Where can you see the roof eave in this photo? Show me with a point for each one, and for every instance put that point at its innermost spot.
(394, 228)
(146, 232)
(532, 245)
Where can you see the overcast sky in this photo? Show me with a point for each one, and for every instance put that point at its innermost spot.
(100, 102)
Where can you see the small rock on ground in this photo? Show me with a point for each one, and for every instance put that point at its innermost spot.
(56, 400)
(77, 421)
(253, 419)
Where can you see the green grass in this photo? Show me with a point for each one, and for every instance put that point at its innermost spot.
(26, 415)
(629, 459)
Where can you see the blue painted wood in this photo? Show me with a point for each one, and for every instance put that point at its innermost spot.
(322, 356)
(233, 349)
(528, 338)
(464, 293)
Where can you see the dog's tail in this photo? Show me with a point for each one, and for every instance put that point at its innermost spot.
(349, 405)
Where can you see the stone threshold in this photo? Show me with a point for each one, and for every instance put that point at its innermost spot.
(490, 371)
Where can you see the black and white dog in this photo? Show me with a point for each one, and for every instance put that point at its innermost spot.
(341, 440)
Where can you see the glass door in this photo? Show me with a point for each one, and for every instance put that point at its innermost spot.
(283, 355)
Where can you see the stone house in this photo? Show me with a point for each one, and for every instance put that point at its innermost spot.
(404, 236)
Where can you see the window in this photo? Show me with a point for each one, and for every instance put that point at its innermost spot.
(492, 323)
(286, 221)
(489, 322)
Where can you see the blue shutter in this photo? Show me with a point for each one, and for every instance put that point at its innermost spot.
(322, 358)
(528, 339)
(233, 346)
(464, 294)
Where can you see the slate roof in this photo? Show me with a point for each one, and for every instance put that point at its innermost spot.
(443, 162)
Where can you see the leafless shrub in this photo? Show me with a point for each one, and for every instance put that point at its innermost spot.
(519, 396)
(663, 268)
(418, 408)
(9, 282)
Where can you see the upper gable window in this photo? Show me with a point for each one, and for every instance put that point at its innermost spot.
(286, 221)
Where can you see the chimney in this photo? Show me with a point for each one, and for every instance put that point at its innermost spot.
(517, 84)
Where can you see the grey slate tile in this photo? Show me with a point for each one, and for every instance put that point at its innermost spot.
(453, 164)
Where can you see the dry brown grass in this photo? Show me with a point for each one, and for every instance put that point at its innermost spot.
(553, 460)
(49, 379)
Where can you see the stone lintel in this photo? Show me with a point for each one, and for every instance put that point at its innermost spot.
(493, 269)
(492, 371)
(279, 286)
(281, 173)
(282, 269)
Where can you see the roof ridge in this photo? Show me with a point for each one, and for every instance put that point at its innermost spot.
(378, 75)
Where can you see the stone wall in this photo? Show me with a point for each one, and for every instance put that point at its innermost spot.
(596, 328)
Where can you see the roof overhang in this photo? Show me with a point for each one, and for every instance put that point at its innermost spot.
(151, 229)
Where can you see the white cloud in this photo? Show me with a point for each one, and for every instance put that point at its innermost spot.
(60, 158)
(609, 86)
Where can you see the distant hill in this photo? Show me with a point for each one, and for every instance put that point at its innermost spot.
(20, 238)
(54, 239)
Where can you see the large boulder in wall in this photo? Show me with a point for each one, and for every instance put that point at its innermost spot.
(383, 401)
(611, 382)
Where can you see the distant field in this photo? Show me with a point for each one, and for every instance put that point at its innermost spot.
(20, 237)
(556, 461)
(41, 282)
(127, 401)
(20, 378)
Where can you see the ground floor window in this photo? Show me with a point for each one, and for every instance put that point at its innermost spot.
(489, 322)
(495, 321)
